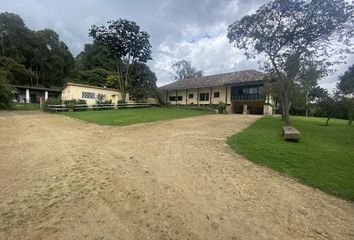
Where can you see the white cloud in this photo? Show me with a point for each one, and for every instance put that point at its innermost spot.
(193, 30)
(212, 54)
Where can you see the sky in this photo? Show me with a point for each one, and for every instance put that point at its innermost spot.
(179, 29)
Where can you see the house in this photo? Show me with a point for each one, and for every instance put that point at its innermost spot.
(31, 94)
(241, 91)
(90, 93)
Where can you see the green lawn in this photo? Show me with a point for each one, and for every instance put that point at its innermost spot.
(123, 117)
(26, 106)
(324, 157)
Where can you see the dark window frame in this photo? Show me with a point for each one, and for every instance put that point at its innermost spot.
(174, 98)
(190, 95)
(216, 94)
(204, 96)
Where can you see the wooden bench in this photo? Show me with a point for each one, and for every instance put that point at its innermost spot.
(290, 133)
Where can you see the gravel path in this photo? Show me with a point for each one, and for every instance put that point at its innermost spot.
(62, 178)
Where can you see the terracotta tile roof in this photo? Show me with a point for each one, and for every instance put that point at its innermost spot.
(239, 77)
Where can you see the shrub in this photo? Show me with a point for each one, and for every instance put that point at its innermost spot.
(81, 101)
(221, 107)
(70, 103)
(52, 101)
(100, 98)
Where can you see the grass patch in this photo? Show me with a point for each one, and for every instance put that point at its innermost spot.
(123, 117)
(26, 106)
(324, 157)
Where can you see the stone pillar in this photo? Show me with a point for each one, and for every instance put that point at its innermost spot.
(244, 109)
(27, 96)
(228, 109)
(45, 95)
(267, 109)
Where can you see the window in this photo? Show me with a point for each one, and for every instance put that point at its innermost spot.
(173, 98)
(254, 90)
(216, 94)
(204, 97)
(190, 95)
(88, 95)
(251, 90)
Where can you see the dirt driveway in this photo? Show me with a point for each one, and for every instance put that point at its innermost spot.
(61, 178)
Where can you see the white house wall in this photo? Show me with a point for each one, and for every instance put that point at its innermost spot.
(223, 97)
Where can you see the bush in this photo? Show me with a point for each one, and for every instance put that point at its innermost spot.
(70, 103)
(81, 101)
(51, 101)
(100, 99)
(221, 107)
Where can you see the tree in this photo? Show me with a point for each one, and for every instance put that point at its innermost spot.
(142, 82)
(126, 43)
(295, 35)
(95, 56)
(329, 107)
(52, 60)
(96, 77)
(183, 69)
(5, 92)
(16, 73)
(317, 93)
(45, 59)
(346, 88)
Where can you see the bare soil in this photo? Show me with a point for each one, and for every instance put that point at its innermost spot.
(62, 178)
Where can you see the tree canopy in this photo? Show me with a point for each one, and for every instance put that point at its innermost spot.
(5, 92)
(297, 37)
(142, 81)
(183, 69)
(96, 66)
(346, 81)
(126, 43)
(32, 57)
(346, 89)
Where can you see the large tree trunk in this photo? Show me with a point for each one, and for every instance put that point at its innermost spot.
(120, 81)
(126, 76)
(286, 109)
